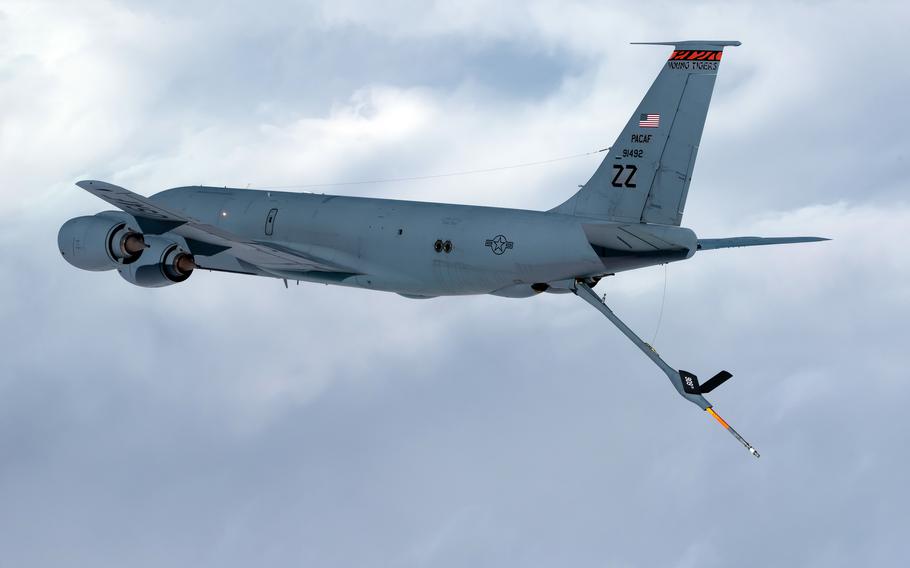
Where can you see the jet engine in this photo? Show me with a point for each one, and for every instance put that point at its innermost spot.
(163, 263)
(99, 242)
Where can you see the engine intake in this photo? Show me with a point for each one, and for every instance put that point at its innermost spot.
(99, 243)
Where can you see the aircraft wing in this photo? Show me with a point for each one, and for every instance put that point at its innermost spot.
(155, 219)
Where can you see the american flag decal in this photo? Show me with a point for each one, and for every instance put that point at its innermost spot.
(649, 121)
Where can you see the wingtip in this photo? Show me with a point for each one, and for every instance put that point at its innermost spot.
(93, 185)
(90, 184)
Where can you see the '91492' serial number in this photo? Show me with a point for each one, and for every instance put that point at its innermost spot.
(635, 153)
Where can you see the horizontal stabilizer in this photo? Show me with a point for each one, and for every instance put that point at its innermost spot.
(689, 44)
(732, 242)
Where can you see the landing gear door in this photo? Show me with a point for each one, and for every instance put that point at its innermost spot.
(270, 221)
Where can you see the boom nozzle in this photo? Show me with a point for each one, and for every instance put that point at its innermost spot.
(730, 429)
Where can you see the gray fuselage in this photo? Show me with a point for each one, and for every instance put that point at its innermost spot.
(391, 245)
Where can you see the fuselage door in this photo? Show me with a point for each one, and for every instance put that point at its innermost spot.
(270, 221)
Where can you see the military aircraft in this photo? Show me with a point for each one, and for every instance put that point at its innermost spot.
(627, 216)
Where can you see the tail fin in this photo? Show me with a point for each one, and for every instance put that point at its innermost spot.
(645, 176)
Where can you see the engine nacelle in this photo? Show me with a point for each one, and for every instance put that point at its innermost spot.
(163, 263)
(99, 243)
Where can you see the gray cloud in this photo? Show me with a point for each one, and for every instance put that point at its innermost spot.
(228, 421)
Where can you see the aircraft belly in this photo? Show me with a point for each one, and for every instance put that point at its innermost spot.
(492, 253)
(487, 251)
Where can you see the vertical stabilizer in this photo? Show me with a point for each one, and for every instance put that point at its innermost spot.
(645, 176)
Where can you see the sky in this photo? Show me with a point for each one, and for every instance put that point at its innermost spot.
(227, 421)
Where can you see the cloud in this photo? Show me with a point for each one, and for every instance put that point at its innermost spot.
(228, 421)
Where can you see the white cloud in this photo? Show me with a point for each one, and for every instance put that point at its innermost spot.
(77, 82)
(228, 420)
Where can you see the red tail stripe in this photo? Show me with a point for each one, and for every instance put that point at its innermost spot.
(695, 55)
